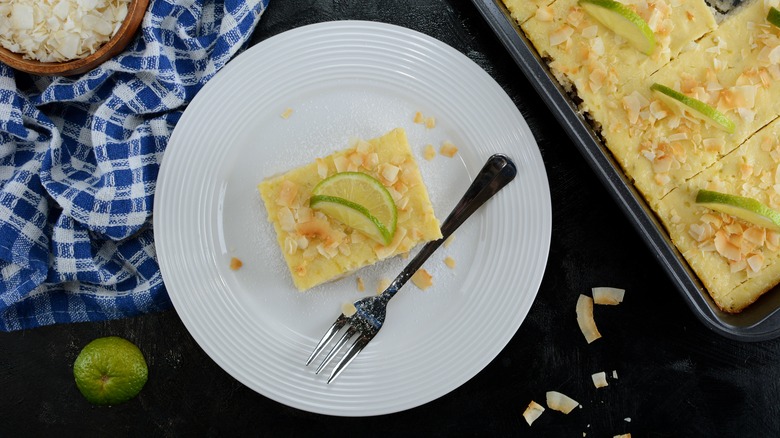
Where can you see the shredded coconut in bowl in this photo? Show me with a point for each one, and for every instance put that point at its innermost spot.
(59, 30)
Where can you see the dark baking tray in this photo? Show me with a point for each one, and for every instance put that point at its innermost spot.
(759, 321)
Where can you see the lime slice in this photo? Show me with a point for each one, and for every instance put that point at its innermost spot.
(696, 107)
(358, 201)
(747, 209)
(773, 17)
(623, 21)
(110, 370)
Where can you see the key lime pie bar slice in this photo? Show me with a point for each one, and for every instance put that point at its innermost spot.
(315, 235)
(737, 260)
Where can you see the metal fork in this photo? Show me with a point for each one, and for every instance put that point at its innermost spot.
(370, 312)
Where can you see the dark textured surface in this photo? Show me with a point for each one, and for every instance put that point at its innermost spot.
(675, 377)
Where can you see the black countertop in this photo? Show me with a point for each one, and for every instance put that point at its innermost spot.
(676, 377)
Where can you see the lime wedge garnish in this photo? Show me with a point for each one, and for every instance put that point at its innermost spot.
(696, 107)
(623, 21)
(110, 370)
(358, 201)
(773, 17)
(747, 209)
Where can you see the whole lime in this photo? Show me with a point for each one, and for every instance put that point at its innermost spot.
(110, 370)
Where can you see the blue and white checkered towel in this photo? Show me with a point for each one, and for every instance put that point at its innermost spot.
(79, 159)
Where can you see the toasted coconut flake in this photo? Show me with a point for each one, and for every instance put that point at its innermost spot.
(322, 168)
(561, 35)
(590, 32)
(532, 412)
(698, 232)
(355, 158)
(304, 214)
(448, 149)
(756, 262)
(633, 105)
(286, 219)
(403, 202)
(342, 163)
(389, 172)
(663, 164)
(290, 245)
(363, 147)
(235, 263)
(597, 79)
(450, 262)
(287, 194)
(385, 251)
(657, 110)
(560, 402)
(422, 279)
(599, 379)
(713, 144)
(315, 228)
(597, 46)
(755, 234)
(746, 115)
(429, 152)
(585, 318)
(371, 161)
(348, 309)
(608, 295)
(725, 247)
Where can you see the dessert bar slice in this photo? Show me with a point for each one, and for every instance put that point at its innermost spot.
(318, 248)
(737, 261)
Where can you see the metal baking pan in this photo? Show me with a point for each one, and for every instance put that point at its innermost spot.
(759, 321)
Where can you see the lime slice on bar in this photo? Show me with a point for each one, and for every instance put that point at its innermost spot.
(773, 17)
(358, 201)
(747, 209)
(623, 21)
(696, 107)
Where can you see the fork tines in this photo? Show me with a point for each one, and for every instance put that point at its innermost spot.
(348, 356)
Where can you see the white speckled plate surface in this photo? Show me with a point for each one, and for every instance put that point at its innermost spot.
(347, 79)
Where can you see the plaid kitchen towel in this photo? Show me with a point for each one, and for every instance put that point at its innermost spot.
(79, 159)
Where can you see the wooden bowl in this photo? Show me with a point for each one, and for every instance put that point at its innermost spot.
(135, 14)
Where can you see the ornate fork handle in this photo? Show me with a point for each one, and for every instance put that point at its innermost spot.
(497, 172)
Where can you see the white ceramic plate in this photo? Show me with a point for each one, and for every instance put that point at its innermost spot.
(342, 80)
